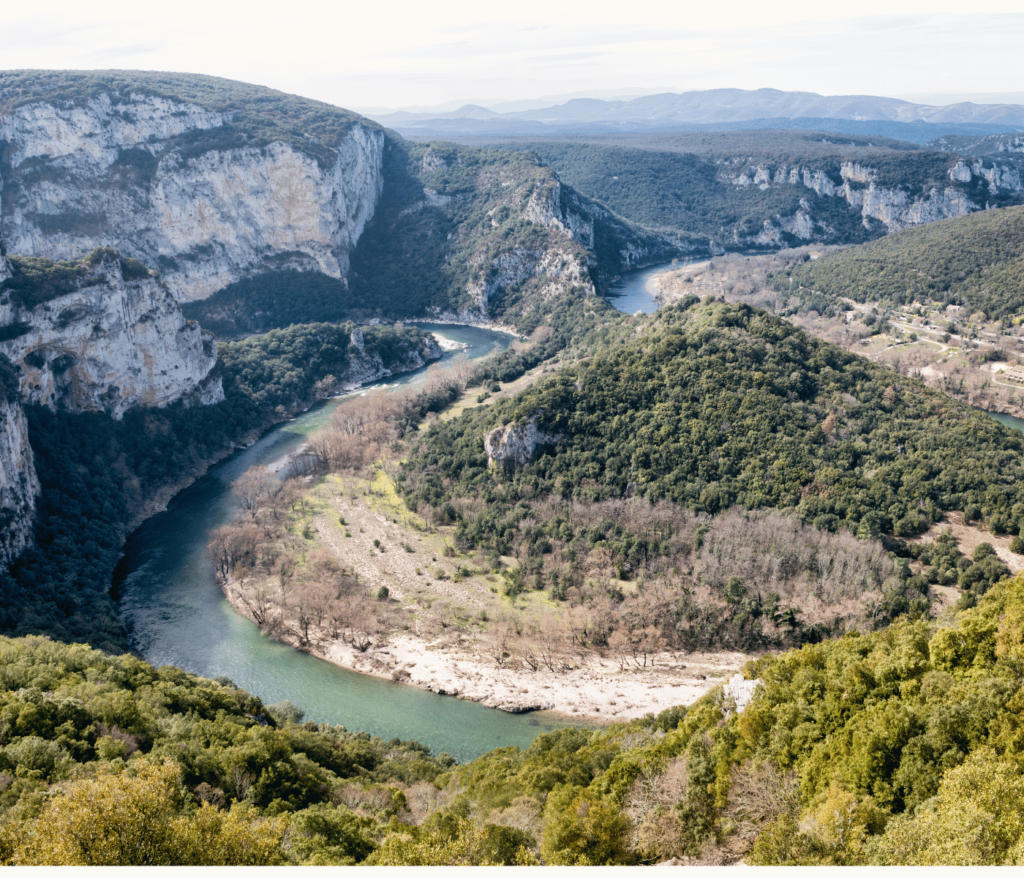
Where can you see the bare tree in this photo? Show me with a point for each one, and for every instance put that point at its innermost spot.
(252, 489)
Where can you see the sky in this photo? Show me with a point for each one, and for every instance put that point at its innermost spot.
(410, 53)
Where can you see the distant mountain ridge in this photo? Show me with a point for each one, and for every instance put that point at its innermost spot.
(715, 107)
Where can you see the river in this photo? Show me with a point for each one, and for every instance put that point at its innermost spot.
(635, 290)
(176, 613)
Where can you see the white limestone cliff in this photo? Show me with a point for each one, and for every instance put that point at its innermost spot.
(891, 206)
(19, 485)
(109, 346)
(111, 174)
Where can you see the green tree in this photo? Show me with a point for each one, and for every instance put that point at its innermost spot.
(142, 817)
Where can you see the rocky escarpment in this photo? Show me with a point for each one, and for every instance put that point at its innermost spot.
(515, 444)
(587, 245)
(116, 339)
(365, 366)
(173, 184)
(482, 235)
(888, 208)
(19, 485)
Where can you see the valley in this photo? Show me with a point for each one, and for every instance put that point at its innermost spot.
(577, 498)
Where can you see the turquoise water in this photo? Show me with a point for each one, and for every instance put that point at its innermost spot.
(635, 290)
(1008, 421)
(176, 614)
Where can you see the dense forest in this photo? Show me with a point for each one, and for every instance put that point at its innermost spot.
(645, 446)
(976, 261)
(99, 474)
(276, 299)
(901, 747)
(713, 405)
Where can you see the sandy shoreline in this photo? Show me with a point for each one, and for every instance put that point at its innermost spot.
(599, 692)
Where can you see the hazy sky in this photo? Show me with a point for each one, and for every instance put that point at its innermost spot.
(410, 52)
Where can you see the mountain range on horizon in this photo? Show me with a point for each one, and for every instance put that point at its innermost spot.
(726, 108)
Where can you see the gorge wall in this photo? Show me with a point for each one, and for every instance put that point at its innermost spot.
(113, 342)
(885, 207)
(19, 485)
(169, 182)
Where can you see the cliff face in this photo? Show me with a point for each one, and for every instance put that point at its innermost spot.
(515, 444)
(163, 181)
(891, 207)
(366, 366)
(481, 235)
(108, 345)
(18, 483)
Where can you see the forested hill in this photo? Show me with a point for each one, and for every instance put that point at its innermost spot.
(806, 186)
(976, 261)
(711, 405)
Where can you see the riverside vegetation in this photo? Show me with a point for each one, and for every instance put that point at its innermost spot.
(99, 475)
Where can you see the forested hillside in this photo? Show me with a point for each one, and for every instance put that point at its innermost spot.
(708, 407)
(896, 748)
(726, 185)
(715, 405)
(461, 228)
(975, 261)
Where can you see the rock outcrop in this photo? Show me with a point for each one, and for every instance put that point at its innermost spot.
(148, 176)
(365, 366)
(19, 485)
(515, 444)
(110, 344)
(890, 208)
(741, 691)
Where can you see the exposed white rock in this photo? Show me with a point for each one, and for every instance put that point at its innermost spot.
(1015, 144)
(364, 367)
(857, 173)
(800, 225)
(206, 220)
(741, 691)
(432, 161)
(92, 136)
(960, 172)
(819, 181)
(19, 485)
(516, 443)
(892, 206)
(110, 346)
(548, 206)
